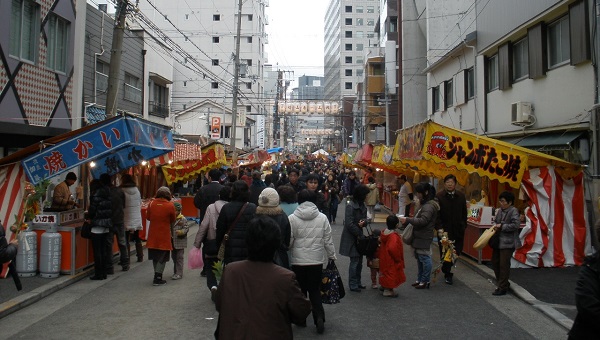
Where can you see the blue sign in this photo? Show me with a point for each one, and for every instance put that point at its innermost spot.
(115, 146)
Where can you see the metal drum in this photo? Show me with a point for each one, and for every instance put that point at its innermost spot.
(50, 254)
(26, 259)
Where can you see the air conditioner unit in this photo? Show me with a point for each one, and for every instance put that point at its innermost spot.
(521, 113)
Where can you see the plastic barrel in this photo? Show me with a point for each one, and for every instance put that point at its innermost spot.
(50, 254)
(26, 260)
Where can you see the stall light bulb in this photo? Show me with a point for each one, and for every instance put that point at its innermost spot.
(92, 164)
(144, 162)
(170, 161)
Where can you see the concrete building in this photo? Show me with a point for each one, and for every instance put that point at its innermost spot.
(40, 70)
(207, 32)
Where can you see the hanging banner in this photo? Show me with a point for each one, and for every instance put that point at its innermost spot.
(215, 127)
(115, 145)
(213, 156)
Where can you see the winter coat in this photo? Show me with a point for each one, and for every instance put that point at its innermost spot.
(206, 196)
(117, 198)
(207, 232)
(391, 260)
(61, 198)
(8, 251)
(332, 192)
(100, 211)
(354, 213)
(161, 215)
(180, 239)
(587, 300)
(423, 224)
(511, 228)
(259, 300)
(310, 241)
(235, 248)
(322, 204)
(288, 208)
(133, 208)
(277, 214)
(372, 195)
(255, 189)
(349, 185)
(453, 214)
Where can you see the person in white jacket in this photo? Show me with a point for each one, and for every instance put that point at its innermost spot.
(311, 245)
(132, 215)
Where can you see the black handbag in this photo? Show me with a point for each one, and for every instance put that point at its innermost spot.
(86, 230)
(367, 245)
(332, 287)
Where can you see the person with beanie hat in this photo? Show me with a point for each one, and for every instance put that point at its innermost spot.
(179, 231)
(161, 215)
(268, 204)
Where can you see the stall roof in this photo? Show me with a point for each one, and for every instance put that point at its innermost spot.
(115, 144)
(547, 141)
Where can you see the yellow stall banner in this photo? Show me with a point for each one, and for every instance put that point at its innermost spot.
(213, 156)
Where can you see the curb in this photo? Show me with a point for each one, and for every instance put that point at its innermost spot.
(522, 294)
(39, 293)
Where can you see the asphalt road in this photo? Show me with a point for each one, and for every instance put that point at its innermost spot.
(127, 306)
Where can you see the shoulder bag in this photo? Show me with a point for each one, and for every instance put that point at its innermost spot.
(407, 234)
(221, 253)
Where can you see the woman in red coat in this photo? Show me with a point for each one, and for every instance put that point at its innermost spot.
(391, 258)
(161, 215)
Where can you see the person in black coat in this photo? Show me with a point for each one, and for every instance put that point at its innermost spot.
(235, 248)
(452, 218)
(209, 193)
(587, 300)
(268, 204)
(100, 216)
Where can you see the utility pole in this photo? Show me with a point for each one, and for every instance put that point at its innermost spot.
(116, 53)
(236, 80)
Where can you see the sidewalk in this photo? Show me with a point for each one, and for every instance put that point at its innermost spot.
(550, 290)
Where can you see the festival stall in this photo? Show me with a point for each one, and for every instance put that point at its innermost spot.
(114, 145)
(555, 233)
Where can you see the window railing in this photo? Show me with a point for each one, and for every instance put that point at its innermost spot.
(101, 82)
(158, 109)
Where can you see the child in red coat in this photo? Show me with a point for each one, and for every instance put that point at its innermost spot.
(391, 258)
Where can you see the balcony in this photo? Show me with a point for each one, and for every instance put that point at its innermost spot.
(375, 84)
(158, 109)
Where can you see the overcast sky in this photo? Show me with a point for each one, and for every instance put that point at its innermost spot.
(296, 36)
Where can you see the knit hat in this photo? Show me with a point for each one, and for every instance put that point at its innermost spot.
(177, 206)
(268, 198)
(164, 191)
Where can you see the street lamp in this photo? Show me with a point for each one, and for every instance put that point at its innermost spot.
(337, 133)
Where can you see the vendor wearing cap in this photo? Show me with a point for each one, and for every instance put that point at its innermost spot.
(61, 198)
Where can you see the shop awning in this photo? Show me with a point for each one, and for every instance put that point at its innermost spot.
(547, 141)
(440, 150)
(114, 144)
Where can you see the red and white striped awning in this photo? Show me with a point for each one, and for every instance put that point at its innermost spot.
(182, 152)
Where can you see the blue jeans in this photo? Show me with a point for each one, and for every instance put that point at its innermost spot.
(424, 263)
(354, 272)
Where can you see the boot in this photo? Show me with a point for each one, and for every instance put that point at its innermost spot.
(158, 281)
(139, 251)
(449, 278)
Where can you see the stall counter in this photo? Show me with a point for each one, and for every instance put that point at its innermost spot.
(472, 234)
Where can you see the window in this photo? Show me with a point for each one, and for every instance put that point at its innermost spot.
(159, 106)
(215, 40)
(348, 60)
(348, 47)
(448, 94)
(348, 72)
(249, 40)
(360, 21)
(359, 47)
(225, 131)
(348, 85)
(359, 9)
(24, 30)
(469, 83)
(348, 9)
(492, 73)
(520, 59)
(214, 85)
(56, 57)
(248, 108)
(359, 73)
(249, 62)
(348, 21)
(370, 35)
(435, 99)
(250, 17)
(215, 62)
(360, 34)
(370, 9)
(101, 77)
(132, 88)
(370, 22)
(558, 42)
(359, 61)
(393, 25)
(348, 34)
(216, 17)
(249, 86)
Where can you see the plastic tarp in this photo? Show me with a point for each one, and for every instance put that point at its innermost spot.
(114, 144)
